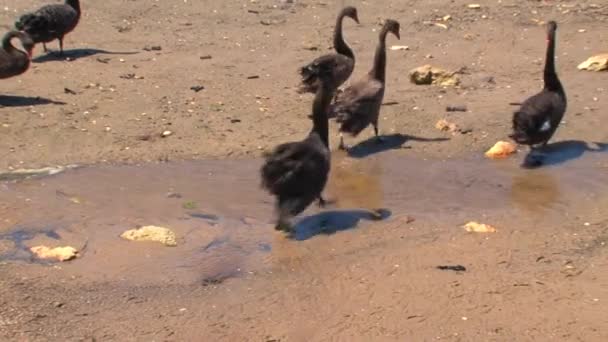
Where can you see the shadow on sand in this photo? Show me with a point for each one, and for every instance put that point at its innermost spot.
(23, 101)
(75, 54)
(389, 142)
(560, 153)
(334, 221)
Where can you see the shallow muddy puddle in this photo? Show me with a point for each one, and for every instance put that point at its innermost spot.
(223, 220)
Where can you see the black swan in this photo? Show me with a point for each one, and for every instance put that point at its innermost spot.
(343, 61)
(359, 104)
(296, 172)
(539, 116)
(13, 61)
(51, 22)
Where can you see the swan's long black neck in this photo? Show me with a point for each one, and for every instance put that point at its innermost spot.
(7, 45)
(550, 76)
(379, 70)
(320, 106)
(339, 43)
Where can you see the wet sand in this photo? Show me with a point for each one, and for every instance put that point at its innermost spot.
(342, 275)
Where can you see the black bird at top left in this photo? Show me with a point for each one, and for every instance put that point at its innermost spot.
(14, 61)
(51, 22)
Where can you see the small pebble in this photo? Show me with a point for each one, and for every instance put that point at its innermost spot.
(460, 108)
(153, 48)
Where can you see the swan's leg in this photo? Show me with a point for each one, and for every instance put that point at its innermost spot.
(379, 139)
(44, 47)
(283, 223)
(535, 158)
(284, 215)
(342, 146)
(283, 226)
(60, 46)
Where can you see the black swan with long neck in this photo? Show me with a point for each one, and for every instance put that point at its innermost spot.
(13, 61)
(51, 22)
(343, 62)
(296, 172)
(535, 122)
(359, 105)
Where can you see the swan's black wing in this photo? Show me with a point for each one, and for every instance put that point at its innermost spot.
(48, 23)
(341, 67)
(537, 118)
(358, 105)
(295, 169)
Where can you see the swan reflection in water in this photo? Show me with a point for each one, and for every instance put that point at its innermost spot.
(535, 191)
(354, 183)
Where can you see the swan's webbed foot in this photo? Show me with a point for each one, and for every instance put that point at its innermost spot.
(61, 46)
(379, 139)
(284, 226)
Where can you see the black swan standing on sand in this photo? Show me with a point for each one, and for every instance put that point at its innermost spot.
(51, 22)
(359, 104)
(13, 61)
(296, 173)
(539, 116)
(342, 62)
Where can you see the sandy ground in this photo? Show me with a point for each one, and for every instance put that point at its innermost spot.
(125, 100)
(547, 284)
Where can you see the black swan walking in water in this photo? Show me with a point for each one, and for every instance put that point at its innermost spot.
(539, 116)
(359, 104)
(342, 62)
(51, 22)
(13, 61)
(296, 173)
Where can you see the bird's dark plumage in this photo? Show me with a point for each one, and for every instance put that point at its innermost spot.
(51, 22)
(343, 62)
(537, 119)
(296, 172)
(359, 105)
(13, 61)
